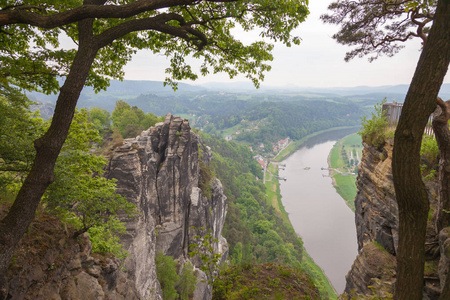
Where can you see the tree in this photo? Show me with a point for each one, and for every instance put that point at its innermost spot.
(130, 121)
(79, 188)
(377, 27)
(442, 132)
(167, 275)
(18, 129)
(107, 33)
(100, 118)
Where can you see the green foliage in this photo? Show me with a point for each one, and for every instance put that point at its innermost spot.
(268, 281)
(373, 131)
(130, 121)
(79, 186)
(188, 281)
(253, 229)
(429, 153)
(167, 275)
(18, 130)
(261, 119)
(429, 149)
(203, 247)
(81, 196)
(104, 238)
(205, 180)
(100, 118)
(203, 30)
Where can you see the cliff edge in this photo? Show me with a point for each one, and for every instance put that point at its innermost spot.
(159, 171)
(376, 218)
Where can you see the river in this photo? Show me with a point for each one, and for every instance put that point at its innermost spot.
(317, 212)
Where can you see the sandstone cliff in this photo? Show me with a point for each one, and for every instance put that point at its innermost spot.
(50, 264)
(159, 172)
(376, 218)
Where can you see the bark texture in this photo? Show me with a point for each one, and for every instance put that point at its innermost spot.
(442, 133)
(15, 224)
(411, 195)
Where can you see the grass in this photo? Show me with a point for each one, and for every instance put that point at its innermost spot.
(343, 180)
(274, 195)
(346, 188)
(318, 276)
(335, 157)
(268, 281)
(231, 130)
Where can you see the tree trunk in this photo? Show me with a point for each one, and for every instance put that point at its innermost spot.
(22, 212)
(442, 133)
(410, 191)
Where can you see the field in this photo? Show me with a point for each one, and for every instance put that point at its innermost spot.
(343, 160)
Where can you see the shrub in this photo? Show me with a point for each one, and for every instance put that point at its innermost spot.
(429, 153)
(167, 275)
(373, 130)
(188, 281)
(429, 149)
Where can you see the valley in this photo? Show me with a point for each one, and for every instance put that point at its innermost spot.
(286, 165)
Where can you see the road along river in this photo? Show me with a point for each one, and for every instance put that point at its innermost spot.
(317, 212)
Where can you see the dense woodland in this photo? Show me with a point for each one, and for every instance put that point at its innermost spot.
(254, 231)
(259, 119)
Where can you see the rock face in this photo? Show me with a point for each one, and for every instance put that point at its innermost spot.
(376, 219)
(375, 205)
(51, 264)
(159, 171)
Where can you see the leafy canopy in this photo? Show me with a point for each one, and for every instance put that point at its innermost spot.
(31, 55)
(131, 121)
(79, 187)
(373, 130)
(18, 129)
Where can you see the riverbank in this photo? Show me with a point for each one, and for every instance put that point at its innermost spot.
(308, 265)
(342, 163)
(294, 145)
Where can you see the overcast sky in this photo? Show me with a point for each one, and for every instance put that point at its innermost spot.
(317, 62)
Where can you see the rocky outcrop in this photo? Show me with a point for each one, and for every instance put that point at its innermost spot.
(376, 218)
(375, 205)
(372, 273)
(51, 264)
(159, 171)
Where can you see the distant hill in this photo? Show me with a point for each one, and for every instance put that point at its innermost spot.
(129, 90)
(398, 92)
(120, 90)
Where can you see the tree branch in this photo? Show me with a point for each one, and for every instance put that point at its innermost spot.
(94, 10)
(158, 23)
(442, 115)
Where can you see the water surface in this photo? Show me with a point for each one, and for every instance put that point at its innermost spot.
(317, 212)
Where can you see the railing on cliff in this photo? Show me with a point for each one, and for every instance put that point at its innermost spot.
(392, 112)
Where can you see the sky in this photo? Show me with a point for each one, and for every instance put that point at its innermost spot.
(317, 62)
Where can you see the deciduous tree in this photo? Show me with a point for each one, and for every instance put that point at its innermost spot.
(106, 34)
(377, 27)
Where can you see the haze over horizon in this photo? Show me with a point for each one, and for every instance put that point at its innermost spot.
(317, 62)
